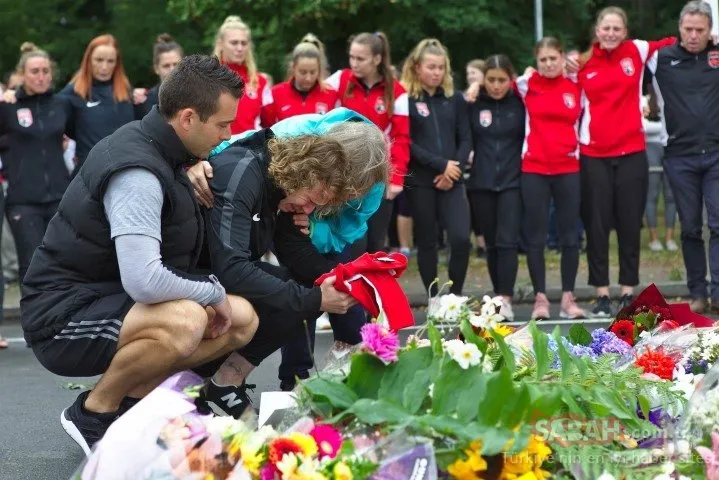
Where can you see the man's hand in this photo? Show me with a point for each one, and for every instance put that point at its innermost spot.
(393, 191)
(220, 323)
(443, 183)
(334, 301)
(199, 175)
(139, 95)
(452, 171)
(571, 64)
(302, 221)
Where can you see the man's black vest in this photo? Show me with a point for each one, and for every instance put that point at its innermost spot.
(77, 263)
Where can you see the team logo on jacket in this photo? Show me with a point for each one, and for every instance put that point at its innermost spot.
(713, 59)
(485, 118)
(569, 101)
(251, 93)
(627, 66)
(321, 108)
(379, 106)
(422, 109)
(24, 117)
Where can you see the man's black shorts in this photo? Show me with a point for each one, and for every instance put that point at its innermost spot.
(87, 344)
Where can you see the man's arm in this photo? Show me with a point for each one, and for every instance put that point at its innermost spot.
(237, 185)
(133, 205)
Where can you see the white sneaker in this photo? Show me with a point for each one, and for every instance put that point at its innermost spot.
(656, 246)
(506, 310)
(672, 246)
(323, 322)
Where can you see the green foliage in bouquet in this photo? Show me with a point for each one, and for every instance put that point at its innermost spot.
(496, 397)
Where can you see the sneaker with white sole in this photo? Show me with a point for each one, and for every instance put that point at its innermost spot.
(656, 246)
(541, 307)
(672, 246)
(569, 308)
(506, 310)
(83, 426)
(602, 307)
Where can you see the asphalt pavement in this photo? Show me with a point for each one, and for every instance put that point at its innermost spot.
(33, 445)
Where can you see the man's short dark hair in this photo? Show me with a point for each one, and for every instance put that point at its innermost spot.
(197, 82)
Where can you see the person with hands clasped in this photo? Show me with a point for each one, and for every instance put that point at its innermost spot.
(166, 54)
(109, 291)
(439, 149)
(369, 87)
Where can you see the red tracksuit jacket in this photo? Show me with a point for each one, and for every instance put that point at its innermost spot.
(252, 101)
(370, 103)
(611, 85)
(288, 102)
(551, 146)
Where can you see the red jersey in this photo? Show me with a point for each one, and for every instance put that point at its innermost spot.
(252, 101)
(611, 85)
(551, 145)
(370, 103)
(287, 102)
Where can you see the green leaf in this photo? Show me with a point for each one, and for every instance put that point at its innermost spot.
(517, 408)
(521, 439)
(336, 393)
(564, 356)
(416, 391)
(500, 388)
(471, 337)
(375, 412)
(541, 352)
(446, 426)
(579, 335)
(617, 405)
(435, 339)
(495, 440)
(459, 391)
(401, 373)
(644, 405)
(548, 404)
(507, 354)
(366, 372)
(569, 400)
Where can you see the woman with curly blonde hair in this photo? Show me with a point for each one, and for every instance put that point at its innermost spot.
(325, 168)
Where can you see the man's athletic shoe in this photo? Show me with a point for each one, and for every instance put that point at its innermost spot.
(126, 404)
(86, 428)
(229, 401)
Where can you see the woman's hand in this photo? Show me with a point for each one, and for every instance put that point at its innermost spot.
(302, 221)
(452, 171)
(139, 95)
(393, 191)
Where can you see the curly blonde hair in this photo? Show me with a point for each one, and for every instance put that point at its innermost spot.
(309, 161)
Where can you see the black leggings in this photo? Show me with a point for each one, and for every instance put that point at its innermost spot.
(537, 191)
(499, 215)
(28, 223)
(614, 194)
(434, 208)
(378, 226)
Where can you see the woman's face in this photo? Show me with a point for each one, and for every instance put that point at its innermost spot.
(431, 70)
(362, 62)
(474, 75)
(497, 83)
(306, 72)
(610, 31)
(103, 62)
(234, 44)
(550, 62)
(306, 200)
(166, 63)
(37, 76)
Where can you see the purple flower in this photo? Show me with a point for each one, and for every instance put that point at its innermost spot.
(380, 341)
(696, 367)
(605, 342)
(576, 350)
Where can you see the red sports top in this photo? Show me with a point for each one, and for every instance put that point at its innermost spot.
(288, 102)
(551, 145)
(370, 103)
(611, 85)
(252, 101)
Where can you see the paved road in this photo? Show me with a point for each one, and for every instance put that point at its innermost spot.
(33, 445)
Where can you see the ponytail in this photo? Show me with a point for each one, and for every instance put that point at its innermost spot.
(379, 45)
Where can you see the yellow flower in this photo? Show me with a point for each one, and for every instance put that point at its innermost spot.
(252, 461)
(305, 442)
(503, 330)
(288, 465)
(526, 465)
(342, 472)
(470, 468)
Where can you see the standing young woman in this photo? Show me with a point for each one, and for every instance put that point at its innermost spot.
(614, 170)
(439, 149)
(166, 54)
(550, 171)
(233, 47)
(99, 94)
(304, 91)
(33, 128)
(475, 76)
(497, 123)
(369, 88)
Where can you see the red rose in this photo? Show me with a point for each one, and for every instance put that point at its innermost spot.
(624, 329)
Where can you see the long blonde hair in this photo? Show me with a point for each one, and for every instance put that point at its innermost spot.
(309, 47)
(234, 22)
(410, 80)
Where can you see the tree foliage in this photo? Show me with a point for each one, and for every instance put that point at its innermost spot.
(469, 28)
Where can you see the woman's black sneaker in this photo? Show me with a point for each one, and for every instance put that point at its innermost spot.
(626, 300)
(602, 307)
(85, 427)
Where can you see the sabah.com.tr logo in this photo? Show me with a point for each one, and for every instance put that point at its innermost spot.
(578, 430)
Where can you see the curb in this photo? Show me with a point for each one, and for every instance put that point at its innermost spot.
(583, 293)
